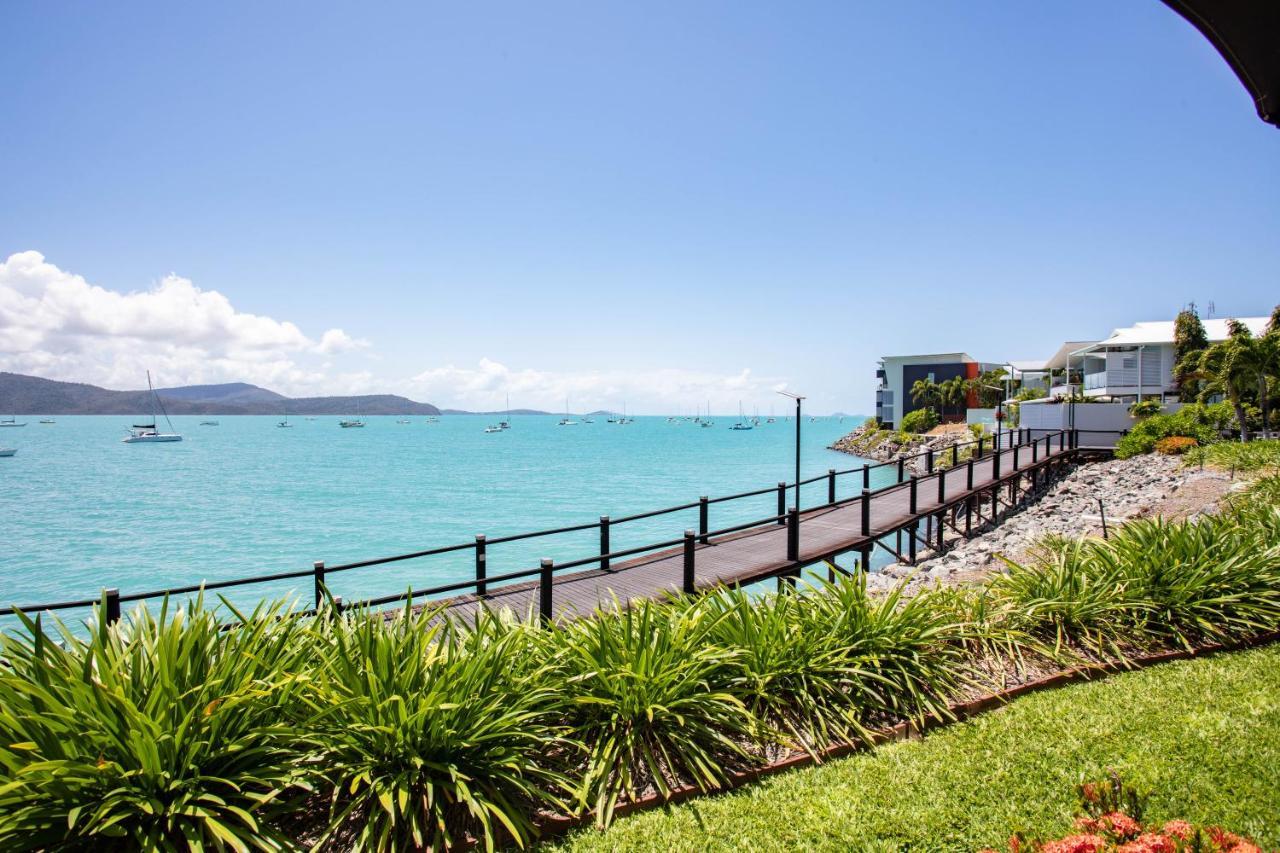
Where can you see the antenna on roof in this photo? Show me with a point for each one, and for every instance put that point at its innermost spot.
(1212, 309)
(1191, 306)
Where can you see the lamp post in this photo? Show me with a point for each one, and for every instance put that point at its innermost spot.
(797, 398)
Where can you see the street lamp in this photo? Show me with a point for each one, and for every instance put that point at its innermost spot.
(797, 398)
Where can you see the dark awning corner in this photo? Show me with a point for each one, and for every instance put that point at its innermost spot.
(1247, 34)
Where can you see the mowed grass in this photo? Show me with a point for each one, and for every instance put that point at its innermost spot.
(1203, 736)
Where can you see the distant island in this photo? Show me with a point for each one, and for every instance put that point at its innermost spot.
(31, 395)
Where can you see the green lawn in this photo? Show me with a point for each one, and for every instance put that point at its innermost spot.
(1203, 736)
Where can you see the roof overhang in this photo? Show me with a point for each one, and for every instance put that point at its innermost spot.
(1247, 35)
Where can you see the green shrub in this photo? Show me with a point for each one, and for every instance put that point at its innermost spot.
(426, 734)
(1145, 409)
(647, 693)
(1239, 456)
(1202, 423)
(919, 421)
(160, 732)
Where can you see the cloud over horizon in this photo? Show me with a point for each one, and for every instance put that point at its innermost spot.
(55, 324)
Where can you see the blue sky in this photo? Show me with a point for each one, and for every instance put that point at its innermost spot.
(658, 203)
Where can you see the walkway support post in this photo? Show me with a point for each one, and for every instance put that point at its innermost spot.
(793, 534)
(782, 503)
(912, 532)
(317, 581)
(481, 567)
(704, 518)
(112, 598)
(689, 540)
(544, 590)
(604, 543)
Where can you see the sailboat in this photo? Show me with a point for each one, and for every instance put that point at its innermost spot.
(708, 422)
(12, 422)
(505, 423)
(147, 433)
(352, 423)
(566, 421)
(624, 420)
(8, 451)
(284, 424)
(742, 423)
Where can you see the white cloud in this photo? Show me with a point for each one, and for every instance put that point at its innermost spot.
(55, 324)
(336, 340)
(486, 385)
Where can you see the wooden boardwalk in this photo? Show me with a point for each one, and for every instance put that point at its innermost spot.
(762, 552)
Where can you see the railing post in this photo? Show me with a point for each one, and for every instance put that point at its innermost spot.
(605, 547)
(902, 469)
(704, 518)
(1016, 448)
(831, 485)
(1035, 451)
(942, 487)
(995, 464)
(544, 590)
(912, 532)
(793, 534)
(980, 441)
(782, 502)
(1062, 440)
(928, 461)
(866, 512)
(914, 484)
(955, 455)
(866, 475)
(689, 540)
(112, 597)
(317, 580)
(337, 604)
(866, 558)
(482, 568)
(969, 481)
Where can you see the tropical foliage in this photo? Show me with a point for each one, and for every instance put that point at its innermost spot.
(175, 730)
(1204, 424)
(919, 421)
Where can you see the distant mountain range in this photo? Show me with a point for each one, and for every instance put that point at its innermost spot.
(31, 395)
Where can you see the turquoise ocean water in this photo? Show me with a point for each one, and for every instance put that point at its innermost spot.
(79, 510)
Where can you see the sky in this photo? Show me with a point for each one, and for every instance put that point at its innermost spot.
(657, 204)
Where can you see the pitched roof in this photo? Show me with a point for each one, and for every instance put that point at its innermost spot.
(1161, 332)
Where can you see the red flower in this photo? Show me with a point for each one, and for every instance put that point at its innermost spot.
(1149, 843)
(1076, 844)
(1178, 829)
(1120, 824)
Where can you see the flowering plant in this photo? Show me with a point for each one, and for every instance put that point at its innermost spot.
(1112, 823)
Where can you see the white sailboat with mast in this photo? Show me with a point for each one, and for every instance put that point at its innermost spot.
(566, 420)
(147, 433)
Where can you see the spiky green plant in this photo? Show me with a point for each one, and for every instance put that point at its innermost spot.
(161, 732)
(792, 679)
(646, 693)
(900, 655)
(427, 738)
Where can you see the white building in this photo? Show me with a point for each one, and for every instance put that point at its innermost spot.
(1137, 361)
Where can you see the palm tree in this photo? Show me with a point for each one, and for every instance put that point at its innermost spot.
(926, 393)
(954, 392)
(1230, 368)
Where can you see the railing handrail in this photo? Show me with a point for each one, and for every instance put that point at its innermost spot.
(480, 582)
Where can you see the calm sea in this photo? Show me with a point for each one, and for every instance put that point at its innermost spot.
(79, 510)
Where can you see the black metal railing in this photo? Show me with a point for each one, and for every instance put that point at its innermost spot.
(1010, 442)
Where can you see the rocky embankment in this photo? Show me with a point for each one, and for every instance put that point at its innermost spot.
(886, 445)
(1124, 489)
